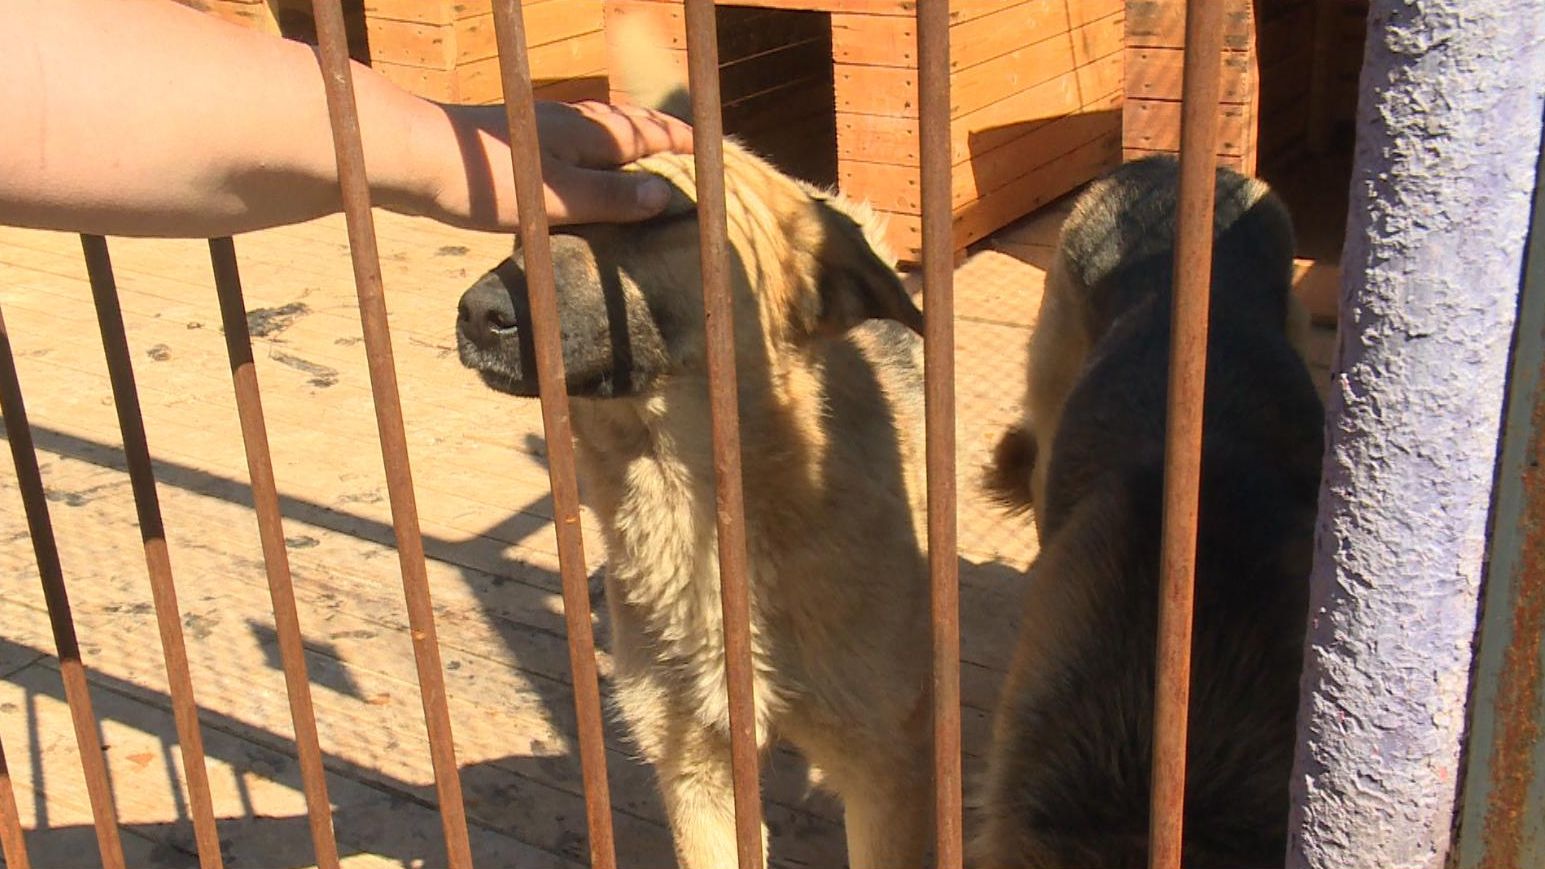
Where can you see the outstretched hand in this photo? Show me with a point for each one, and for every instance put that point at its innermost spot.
(582, 146)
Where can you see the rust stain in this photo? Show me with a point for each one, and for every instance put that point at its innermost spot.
(1518, 691)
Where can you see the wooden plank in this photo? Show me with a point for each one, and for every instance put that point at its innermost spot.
(420, 11)
(991, 170)
(881, 139)
(1086, 12)
(985, 32)
(410, 43)
(1101, 77)
(546, 22)
(877, 139)
(986, 83)
(1097, 39)
(872, 40)
(431, 84)
(1000, 33)
(859, 7)
(1161, 24)
(1155, 73)
(865, 89)
(893, 91)
(427, 11)
(1036, 188)
(1155, 125)
(895, 188)
(478, 81)
(1233, 162)
(666, 19)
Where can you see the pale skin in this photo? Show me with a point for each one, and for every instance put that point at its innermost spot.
(146, 118)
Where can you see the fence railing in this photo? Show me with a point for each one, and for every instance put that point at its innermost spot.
(932, 19)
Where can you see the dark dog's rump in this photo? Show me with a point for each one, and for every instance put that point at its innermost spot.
(1071, 762)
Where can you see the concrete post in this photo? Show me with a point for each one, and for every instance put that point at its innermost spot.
(1449, 124)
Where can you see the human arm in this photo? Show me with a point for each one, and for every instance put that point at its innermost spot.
(143, 117)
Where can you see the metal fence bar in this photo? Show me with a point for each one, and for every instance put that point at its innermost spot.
(265, 503)
(45, 548)
(13, 846)
(933, 85)
(515, 69)
(131, 423)
(730, 510)
(1504, 786)
(1183, 436)
(344, 116)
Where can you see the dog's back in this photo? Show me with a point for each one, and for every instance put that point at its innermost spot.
(1069, 773)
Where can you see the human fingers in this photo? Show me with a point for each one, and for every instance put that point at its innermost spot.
(603, 135)
(580, 195)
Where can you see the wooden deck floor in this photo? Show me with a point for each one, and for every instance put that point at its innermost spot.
(483, 501)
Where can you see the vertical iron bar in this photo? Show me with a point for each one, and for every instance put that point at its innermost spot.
(13, 846)
(933, 62)
(265, 503)
(339, 84)
(1504, 780)
(46, 551)
(510, 32)
(1183, 436)
(131, 424)
(718, 311)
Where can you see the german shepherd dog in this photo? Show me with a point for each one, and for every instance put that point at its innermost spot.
(830, 399)
(1068, 772)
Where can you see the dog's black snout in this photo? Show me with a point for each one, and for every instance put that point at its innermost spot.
(486, 314)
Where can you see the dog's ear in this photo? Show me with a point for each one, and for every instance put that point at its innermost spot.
(855, 285)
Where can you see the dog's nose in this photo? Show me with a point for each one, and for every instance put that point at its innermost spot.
(486, 315)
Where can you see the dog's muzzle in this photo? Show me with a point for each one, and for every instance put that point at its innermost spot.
(485, 319)
(490, 336)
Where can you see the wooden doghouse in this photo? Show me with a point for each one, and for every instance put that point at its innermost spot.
(1289, 77)
(444, 49)
(828, 90)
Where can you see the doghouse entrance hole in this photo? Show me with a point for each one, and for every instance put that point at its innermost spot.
(778, 88)
(1306, 130)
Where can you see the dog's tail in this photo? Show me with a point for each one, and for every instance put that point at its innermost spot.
(650, 75)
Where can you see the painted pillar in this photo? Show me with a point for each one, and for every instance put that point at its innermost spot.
(1449, 125)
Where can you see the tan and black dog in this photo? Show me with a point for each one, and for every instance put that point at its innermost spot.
(1068, 773)
(831, 437)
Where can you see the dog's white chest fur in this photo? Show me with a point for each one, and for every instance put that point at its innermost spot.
(663, 589)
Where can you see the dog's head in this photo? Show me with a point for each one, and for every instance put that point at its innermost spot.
(630, 295)
(804, 265)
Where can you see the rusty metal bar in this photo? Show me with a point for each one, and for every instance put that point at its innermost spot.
(265, 503)
(515, 69)
(13, 846)
(344, 116)
(1504, 789)
(131, 423)
(46, 551)
(730, 513)
(933, 85)
(1183, 435)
